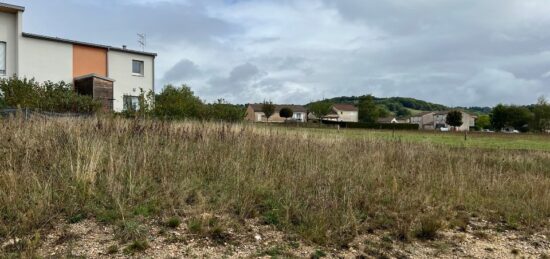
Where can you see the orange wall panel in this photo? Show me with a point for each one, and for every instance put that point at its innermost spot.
(88, 60)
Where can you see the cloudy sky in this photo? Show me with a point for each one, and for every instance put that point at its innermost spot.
(454, 52)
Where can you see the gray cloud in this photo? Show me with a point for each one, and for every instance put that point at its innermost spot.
(183, 70)
(453, 52)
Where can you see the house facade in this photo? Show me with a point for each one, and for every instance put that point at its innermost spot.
(425, 120)
(438, 120)
(343, 112)
(468, 121)
(254, 113)
(113, 75)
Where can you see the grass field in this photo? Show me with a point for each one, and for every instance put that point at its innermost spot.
(526, 141)
(323, 185)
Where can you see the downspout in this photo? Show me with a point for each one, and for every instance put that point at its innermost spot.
(18, 36)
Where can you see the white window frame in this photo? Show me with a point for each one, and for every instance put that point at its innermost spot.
(135, 106)
(142, 73)
(4, 72)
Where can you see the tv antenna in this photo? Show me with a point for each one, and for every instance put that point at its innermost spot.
(142, 40)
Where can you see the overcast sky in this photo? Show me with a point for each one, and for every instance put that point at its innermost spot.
(454, 52)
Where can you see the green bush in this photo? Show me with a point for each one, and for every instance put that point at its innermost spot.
(178, 103)
(222, 111)
(48, 96)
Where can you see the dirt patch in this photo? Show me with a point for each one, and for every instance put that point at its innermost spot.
(90, 239)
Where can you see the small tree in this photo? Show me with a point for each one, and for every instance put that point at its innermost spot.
(454, 118)
(286, 113)
(368, 111)
(268, 108)
(542, 115)
(483, 122)
(320, 109)
(178, 103)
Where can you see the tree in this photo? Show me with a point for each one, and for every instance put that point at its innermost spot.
(514, 116)
(178, 103)
(268, 108)
(483, 122)
(320, 109)
(368, 110)
(286, 113)
(223, 111)
(499, 117)
(454, 118)
(541, 112)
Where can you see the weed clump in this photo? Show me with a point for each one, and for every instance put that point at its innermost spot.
(173, 222)
(428, 228)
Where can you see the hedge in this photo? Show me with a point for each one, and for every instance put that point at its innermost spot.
(363, 125)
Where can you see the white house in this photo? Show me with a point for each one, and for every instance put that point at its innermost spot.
(111, 74)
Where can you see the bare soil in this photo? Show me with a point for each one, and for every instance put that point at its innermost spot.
(90, 239)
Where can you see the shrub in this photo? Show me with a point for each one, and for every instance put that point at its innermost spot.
(49, 96)
(223, 111)
(427, 230)
(178, 103)
(173, 222)
(137, 246)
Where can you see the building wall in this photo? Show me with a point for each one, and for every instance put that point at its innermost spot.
(89, 60)
(46, 60)
(347, 116)
(120, 69)
(8, 34)
(250, 114)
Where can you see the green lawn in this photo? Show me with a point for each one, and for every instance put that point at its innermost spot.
(477, 139)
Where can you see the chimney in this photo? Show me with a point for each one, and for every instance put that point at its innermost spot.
(124, 47)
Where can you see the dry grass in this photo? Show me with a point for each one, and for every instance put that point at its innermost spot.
(328, 189)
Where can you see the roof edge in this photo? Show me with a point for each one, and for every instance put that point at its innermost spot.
(93, 75)
(12, 7)
(74, 42)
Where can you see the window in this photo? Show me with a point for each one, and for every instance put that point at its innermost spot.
(2, 58)
(137, 67)
(131, 103)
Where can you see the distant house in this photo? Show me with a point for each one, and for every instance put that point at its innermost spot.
(343, 112)
(438, 120)
(254, 113)
(425, 120)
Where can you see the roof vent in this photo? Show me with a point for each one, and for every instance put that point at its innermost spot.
(124, 47)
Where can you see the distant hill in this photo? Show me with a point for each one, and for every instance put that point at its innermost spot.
(405, 106)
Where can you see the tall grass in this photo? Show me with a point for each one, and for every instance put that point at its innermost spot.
(327, 189)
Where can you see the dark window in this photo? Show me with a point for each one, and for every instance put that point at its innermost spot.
(2, 58)
(137, 67)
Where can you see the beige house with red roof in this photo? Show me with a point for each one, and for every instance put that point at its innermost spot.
(343, 112)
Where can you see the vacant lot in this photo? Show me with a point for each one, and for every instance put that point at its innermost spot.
(323, 187)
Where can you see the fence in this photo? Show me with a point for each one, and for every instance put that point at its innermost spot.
(28, 114)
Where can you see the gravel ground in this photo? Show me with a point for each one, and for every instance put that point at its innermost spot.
(90, 239)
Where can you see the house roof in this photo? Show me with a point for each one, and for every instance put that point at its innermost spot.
(421, 114)
(345, 107)
(11, 8)
(55, 39)
(257, 107)
(94, 76)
